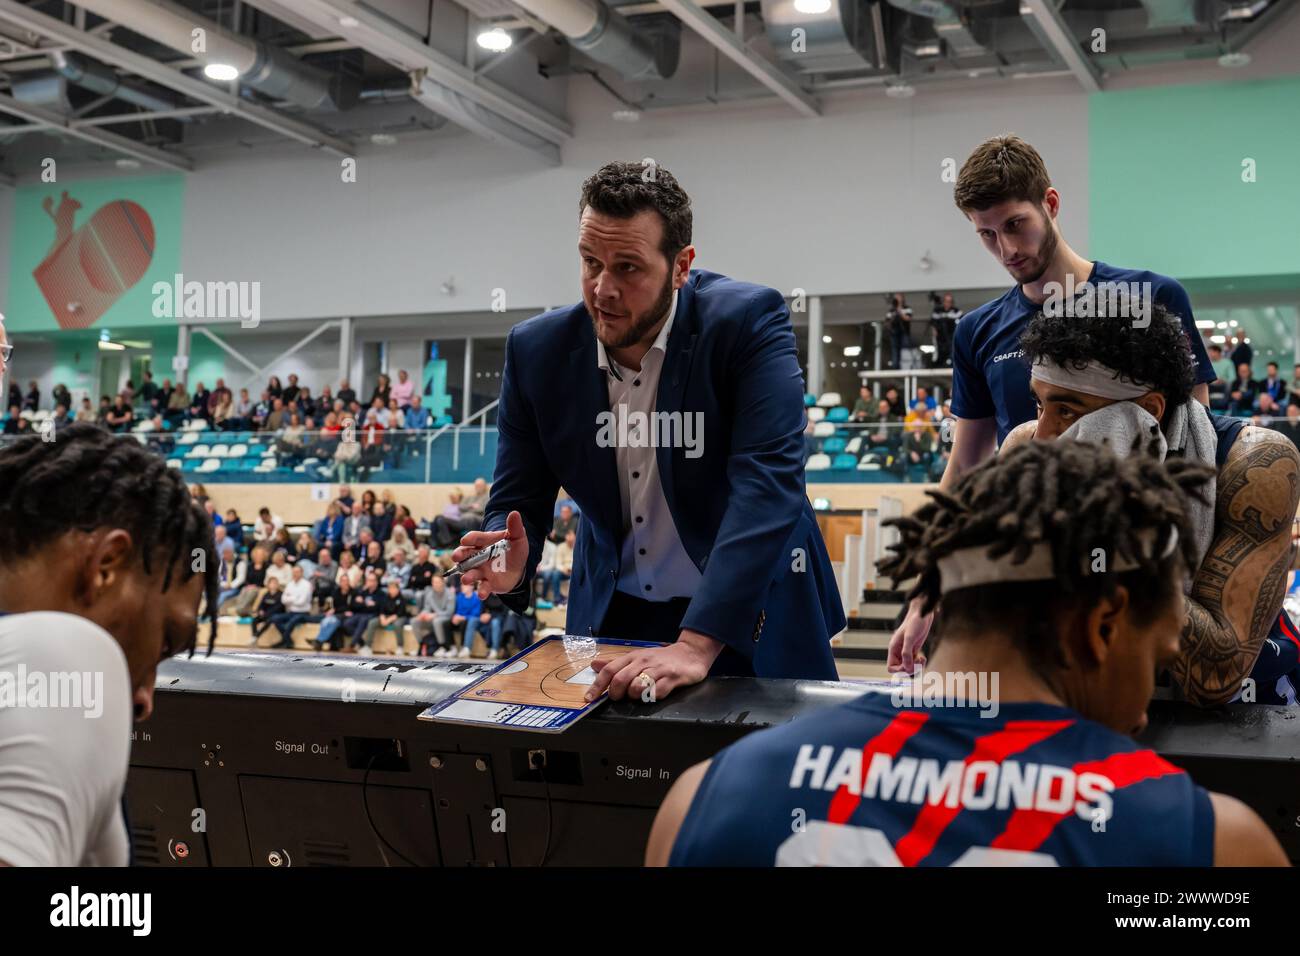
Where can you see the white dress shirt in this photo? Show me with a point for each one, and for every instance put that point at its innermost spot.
(655, 565)
(297, 596)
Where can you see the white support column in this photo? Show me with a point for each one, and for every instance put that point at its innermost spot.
(345, 348)
(815, 345)
(181, 365)
(466, 387)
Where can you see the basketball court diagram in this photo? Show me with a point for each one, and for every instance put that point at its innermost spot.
(547, 676)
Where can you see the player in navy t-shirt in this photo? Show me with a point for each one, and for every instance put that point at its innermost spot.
(1005, 191)
(1012, 748)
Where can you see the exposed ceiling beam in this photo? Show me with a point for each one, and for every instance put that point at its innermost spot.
(385, 38)
(725, 40)
(111, 53)
(62, 125)
(1046, 23)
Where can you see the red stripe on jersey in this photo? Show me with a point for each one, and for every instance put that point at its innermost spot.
(1029, 829)
(889, 741)
(933, 819)
(1287, 629)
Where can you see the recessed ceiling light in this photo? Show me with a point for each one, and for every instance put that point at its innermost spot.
(220, 71)
(127, 163)
(812, 6)
(1234, 60)
(495, 40)
(900, 91)
(826, 339)
(383, 139)
(348, 22)
(627, 116)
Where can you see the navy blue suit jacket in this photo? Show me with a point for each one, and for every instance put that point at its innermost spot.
(740, 508)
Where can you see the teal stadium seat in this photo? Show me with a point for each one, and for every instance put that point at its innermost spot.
(840, 414)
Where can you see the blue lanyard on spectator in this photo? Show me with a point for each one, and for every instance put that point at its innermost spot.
(126, 819)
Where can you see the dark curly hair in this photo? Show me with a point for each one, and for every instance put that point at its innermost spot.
(622, 190)
(1073, 496)
(1157, 355)
(88, 478)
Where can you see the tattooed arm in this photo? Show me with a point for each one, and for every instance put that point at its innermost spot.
(1238, 590)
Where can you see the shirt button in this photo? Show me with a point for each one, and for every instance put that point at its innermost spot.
(636, 382)
(636, 474)
(639, 519)
(648, 588)
(642, 551)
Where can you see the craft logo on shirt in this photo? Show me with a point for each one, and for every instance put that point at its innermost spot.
(1008, 355)
(76, 909)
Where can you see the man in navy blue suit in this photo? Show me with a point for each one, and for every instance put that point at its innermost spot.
(669, 405)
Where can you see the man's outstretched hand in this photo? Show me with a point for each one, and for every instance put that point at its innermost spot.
(502, 576)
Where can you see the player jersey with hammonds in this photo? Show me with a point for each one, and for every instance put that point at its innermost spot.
(874, 783)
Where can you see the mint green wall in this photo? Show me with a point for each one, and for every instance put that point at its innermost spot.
(1166, 185)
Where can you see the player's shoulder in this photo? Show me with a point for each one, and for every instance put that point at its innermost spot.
(1163, 287)
(991, 312)
(717, 299)
(56, 641)
(554, 325)
(1257, 445)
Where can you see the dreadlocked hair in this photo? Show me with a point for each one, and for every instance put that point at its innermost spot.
(1075, 497)
(88, 478)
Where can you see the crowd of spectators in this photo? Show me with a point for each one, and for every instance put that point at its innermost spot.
(896, 434)
(367, 567)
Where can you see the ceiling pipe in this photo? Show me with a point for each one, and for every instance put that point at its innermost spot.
(607, 37)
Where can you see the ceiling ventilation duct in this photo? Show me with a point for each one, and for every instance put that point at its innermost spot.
(947, 24)
(609, 38)
(267, 69)
(849, 36)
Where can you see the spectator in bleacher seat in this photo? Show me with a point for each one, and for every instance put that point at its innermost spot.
(199, 492)
(389, 502)
(220, 395)
(464, 622)
(277, 418)
(306, 548)
(329, 530)
(86, 413)
(434, 609)
(270, 606)
(924, 400)
(61, 420)
(234, 527)
(291, 391)
(895, 401)
(402, 391)
(399, 542)
(15, 393)
(398, 569)
(346, 393)
(1272, 392)
(1243, 391)
(365, 608)
(233, 574)
(396, 419)
(565, 522)
(291, 445)
(392, 613)
(280, 569)
(353, 525)
(254, 583)
(521, 625)
(382, 392)
(222, 410)
(863, 406)
(492, 620)
(1223, 374)
(402, 519)
(898, 324)
(920, 441)
(11, 420)
(274, 387)
(560, 571)
(447, 531)
(325, 399)
(61, 396)
(178, 404)
(883, 429)
(943, 326)
(308, 407)
(381, 523)
(417, 416)
(33, 401)
(280, 541)
(267, 525)
(165, 393)
(374, 559)
(241, 413)
(423, 571)
(348, 568)
(378, 414)
(148, 388)
(1242, 353)
(362, 547)
(345, 499)
(336, 610)
(297, 608)
(218, 531)
(127, 392)
(199, 403)
(262, 411)
(120, 416)
(323, 574)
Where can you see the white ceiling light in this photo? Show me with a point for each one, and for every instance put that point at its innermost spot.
(900, 91)
(348, 22)
(1233, 60)
(826, 339)
(105, 346)
(383, 139)
(627, 116)
(220, 71)
(852, 351)
(1205, 323)
(126, 162)
(495, 40)
(1218, 339)
(812, 6)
